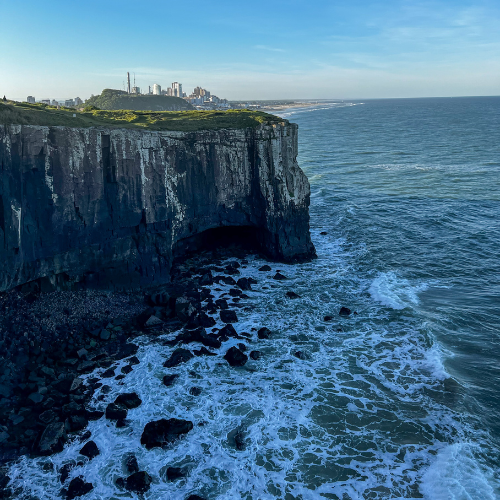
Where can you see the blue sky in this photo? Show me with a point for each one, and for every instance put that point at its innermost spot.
(272, 49)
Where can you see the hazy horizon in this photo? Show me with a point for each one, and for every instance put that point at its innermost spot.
(274, 50)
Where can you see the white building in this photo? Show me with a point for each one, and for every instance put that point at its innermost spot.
(177, 89)
(69, 103)
(31, 99)
(136, 90)
(45, 101)
(54, 103)
(156, 89)
(78, 101)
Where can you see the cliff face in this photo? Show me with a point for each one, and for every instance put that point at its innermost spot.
(112, 207)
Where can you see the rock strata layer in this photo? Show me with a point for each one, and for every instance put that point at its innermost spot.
(112, 208)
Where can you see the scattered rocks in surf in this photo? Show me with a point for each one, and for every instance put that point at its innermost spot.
(328, 318)
(265, 268)
(279, 277)
(53, 439)
(195, 391)
(292, 295)
(235, 357)
(300, 355)
(174, 473)
(169, 380)
(116, 412)
(244, 283)
(255, 355)
(323, 233)
(90, 450)
(131, 464)
(164, 432)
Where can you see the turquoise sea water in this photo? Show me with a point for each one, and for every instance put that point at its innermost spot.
(401, 400)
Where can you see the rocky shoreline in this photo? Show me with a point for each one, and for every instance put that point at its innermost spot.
(49, 341)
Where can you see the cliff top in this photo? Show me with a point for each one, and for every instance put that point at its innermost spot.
(16, 113)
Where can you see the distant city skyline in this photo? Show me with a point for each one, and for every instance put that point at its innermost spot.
(264, 50)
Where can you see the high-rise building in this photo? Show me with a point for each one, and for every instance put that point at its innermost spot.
(170, 91)
(78, 101)
(156, 89)
(31, 99)
(54, 103)
(69, 103)
(177, 89)
(45, 101)
(136, 90)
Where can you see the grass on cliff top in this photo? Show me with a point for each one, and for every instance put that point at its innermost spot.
(16, 113)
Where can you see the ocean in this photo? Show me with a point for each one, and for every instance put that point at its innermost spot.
(401, 399)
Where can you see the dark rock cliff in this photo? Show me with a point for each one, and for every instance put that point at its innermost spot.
(113, 207)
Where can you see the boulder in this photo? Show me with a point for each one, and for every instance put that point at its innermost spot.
(280, 277)
(94, 414)
(178, 356)
(255, 355)
(163, 432)
(194, 497)
(344, 311)
(78, 487)
(169, 380)
(195, 391)
(129, 400)
(207, 279)
(264, 333)
(153, 322)
(138, 482)
(221, 304)
(184, 309)
(105, 334)
(244, 284)
(116, 412)
(126, 369)
(292, 295)
(204, 352)
(174, 473)
(227, 332)
(131, 463)
(235, 357)
(328, 318)
(76, 423)
(90, 450)
(228, 316)
(265, 268)
(53, 439)
(300, 355)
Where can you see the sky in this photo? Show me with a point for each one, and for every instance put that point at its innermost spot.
(262, 49)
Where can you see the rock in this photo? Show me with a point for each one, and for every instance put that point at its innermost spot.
(105, 334)
(235, 357)
(53, 439)
(76, 423)
(195, 391)
(235, 292)
(131, 463)
(129, 400)
(153, 322)
(169, 380)
(300, 355)
(323, 233)
(255, 355)
(78, 487)
(204, 352)
(163, 432)
(48, 416)
(120, 482)
(292, 295)
(64, 385)
(280, 277)
(178, 356)
(134, 360)
(344, 311)
(94, 415)
(86, 435)
(265, 268)
(65, 470)
(174, 473)
(82, 353)
(110, 372)
(244, 284)
(126, 369)
(199, 335)
(228, 316)
(239, 440)
(184, 309)
(264, 333)
(328, 318)
(221, 304)
(205, 320)
(90, 450)
(35, 398)
(207, 279)
(115, 412)
(138, 482)
(242, 347)
(76, 384)
(227, 332)
(194, 497)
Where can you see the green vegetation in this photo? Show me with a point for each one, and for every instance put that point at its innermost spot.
(119, 99)
(15, 113)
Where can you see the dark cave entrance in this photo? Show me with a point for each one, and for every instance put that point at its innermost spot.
(228, 239)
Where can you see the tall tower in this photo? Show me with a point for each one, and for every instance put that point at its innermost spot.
(128, 82)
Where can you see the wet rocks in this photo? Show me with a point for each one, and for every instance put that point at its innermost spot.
(292, 295)
(328, 318)
(164, 432)
(244, 283)
(255, 355)
(279, 277)
(344, 311)
(195, 391)
(116, 412)
(90, 450)
(221, 304)
(53, 439)
(264, 333)
(78, 487)
(169, 380)
(235, 357)
(129, 400)
(178, 356)
(300, 355)
(265, 268)
(227, 332)
(228, 316)
(138, 482)
(174, 473)
(131, 464)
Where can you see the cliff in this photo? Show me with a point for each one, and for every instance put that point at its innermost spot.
(108, 207)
